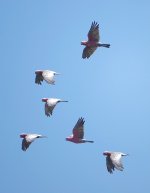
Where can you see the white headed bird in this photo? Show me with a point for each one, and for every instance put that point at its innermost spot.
(46, 75)
(28, 139)
(113, 160)
(50, 104)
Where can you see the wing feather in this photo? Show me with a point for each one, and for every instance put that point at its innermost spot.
(109, 164)
(25, 144)
(48, 76)
(116, 160)
(48, 110)
(93, 34)
(78, 130)
(88, 51)
(38, 78)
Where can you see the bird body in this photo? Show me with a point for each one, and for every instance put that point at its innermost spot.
(50, 104)
(93, 41)
(28, 139)
(46, 75)
(113, 160)
(78, 133)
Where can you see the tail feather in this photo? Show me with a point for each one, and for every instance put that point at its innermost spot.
(105, 45)
(89, 141)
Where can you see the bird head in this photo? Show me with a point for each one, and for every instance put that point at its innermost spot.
(38, 72)
(84, 43)
(106, 153)
(67, 138)
(44, 99)
(23, 135)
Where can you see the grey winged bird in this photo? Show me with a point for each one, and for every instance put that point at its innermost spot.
(46, 75)
(113, 160)
(28, 139)
(78, 133)
(93, 41)
(50, 104)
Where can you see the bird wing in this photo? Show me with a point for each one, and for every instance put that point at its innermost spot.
(93, 34)
(48, 110)
(78, 130)
(109, 164)
(38, 78)
(48, 76)
(88, 51)
(116, 160)
(25, 144)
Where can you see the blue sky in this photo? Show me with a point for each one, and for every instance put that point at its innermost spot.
(110, 90)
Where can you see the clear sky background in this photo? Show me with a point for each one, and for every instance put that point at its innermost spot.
(111, 90)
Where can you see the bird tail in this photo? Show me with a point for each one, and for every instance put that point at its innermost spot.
(124, 154)
(105, 45)
(89, 141)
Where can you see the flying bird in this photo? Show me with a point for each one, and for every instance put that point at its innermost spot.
(78, 133)
(28, 139)
(113, 160)
(93, 41)
(50, 104)
(46, 75)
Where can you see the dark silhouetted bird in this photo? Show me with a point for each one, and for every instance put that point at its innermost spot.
(93, 41)
(78, 133)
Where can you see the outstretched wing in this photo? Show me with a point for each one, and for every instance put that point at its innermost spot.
(93, 34)
(38, 78)
(78, 130)
(25, 144)
(48, 110)
(109, 164)
(88, 51)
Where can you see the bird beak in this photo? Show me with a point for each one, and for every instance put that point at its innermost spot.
(63, 101)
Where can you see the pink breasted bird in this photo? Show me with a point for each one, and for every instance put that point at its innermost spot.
(50, 104)
(28, 139)
(93, 41)
(113, 160)
(78, 133)
(46, 75)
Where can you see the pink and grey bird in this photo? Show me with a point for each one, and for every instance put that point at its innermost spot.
(93, 41)
(78, 133)
(113, 160)
(28, 139)
(46, 75)
(50, 104)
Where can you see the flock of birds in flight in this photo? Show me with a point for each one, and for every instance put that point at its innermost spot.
(113, 159)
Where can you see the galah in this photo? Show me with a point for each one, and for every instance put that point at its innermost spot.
(50, 104)
(46, 75)
(78, 133)
(28, 139)
(93, 41)
(113, 160)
